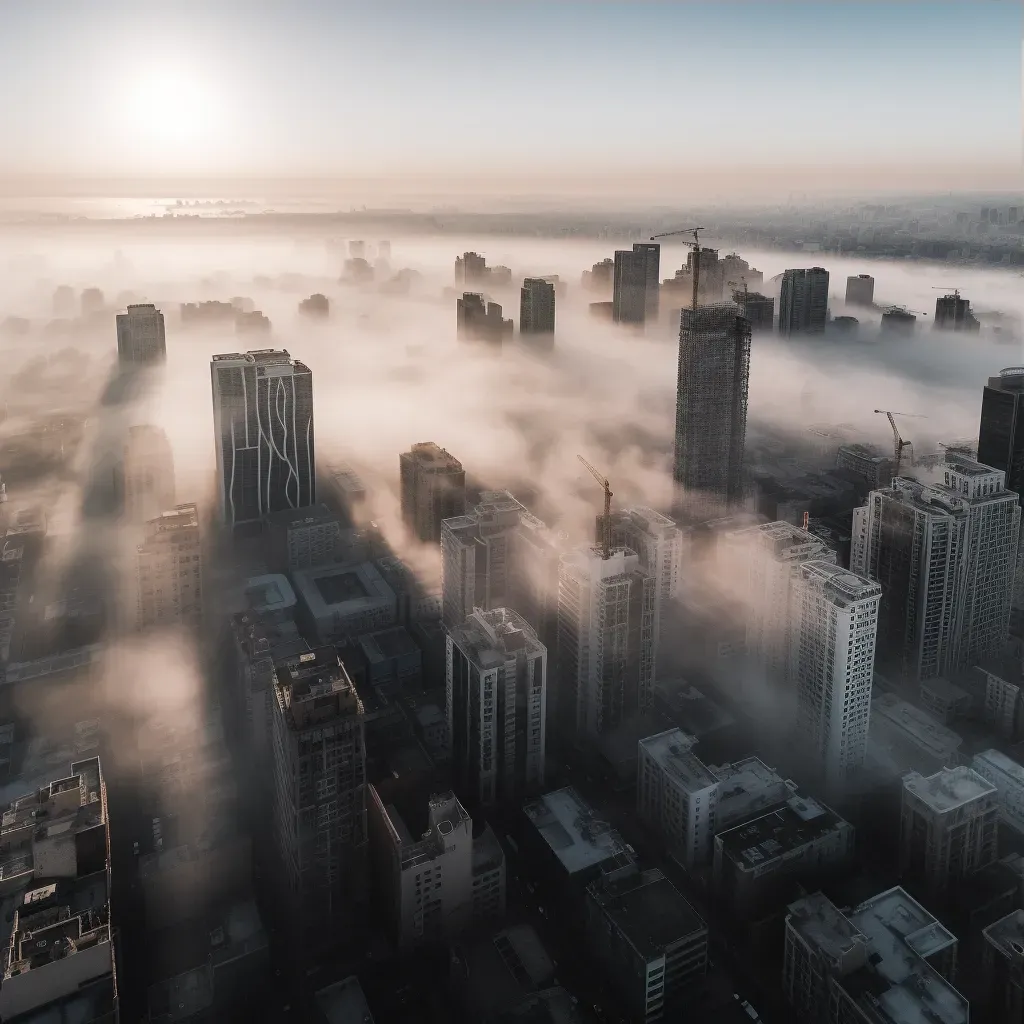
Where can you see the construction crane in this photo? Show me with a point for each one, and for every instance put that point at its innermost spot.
(900, 444)
(695, 245)
(606, 521)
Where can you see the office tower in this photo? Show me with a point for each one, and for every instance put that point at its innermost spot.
(953, 313)
(480, 321)
(263, 420)
(860, 290)
(600, 277)
(1001, 437)
(61, 960)
(169, 569)
(677, 794)
(945, 555)
(836, 623)
(537, 307)
(148, 474)
(433, 486)
(767, 560)
(757, 309)
(140, 336)
(470, 268)
(712, 275)
(605, 639)
(887, 961)
(651, 944)
(442, 874)
(898, 322)
(867, 462)
(478, 557)
(659, 543)
(496, 698)
(1002, 970)
(948, 827)
(319, 799)
(803, 302)
(302, 538)
(711, 409)
(736, 273)
(635, 283)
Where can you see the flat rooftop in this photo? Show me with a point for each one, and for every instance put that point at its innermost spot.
(746, 787)
(347, 589)
(344, 1002)
(649, 910)
(394, 642)
(1007, 935)
(573, 830)
(893, 920)
(270, 593)
(949, 788)
(801, 821)
(998, 762)
(312, 515)
(672, 751)
(914, 723)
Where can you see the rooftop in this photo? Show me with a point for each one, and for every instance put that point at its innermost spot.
(343, 589)
(998, 762)
(840, 584)
(573, 830)
(1007, 935)
(746, 787)
(801, 821)
(892, 920)
(649, 911)
(672, 751)
(293, 518)
(489, 638)
(915, 723)
(344, 1002)
(949, 788)
(270, 593)
(394, 642)
(783, 540)
(431, 456)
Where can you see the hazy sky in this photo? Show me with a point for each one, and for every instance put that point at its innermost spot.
(324, 87)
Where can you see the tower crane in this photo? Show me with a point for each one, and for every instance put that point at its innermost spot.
(695, 245)
(606, 521)
(900, 444)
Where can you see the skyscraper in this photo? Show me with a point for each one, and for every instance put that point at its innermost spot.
(140, 336)
(803, 302)
(478, 557)
(537, 307)
(263, 419)
(636, 282)
(757, 309)
(481, 321)
(1001, 436)
(711, 408)
(945, 556)
(148, 475)
(433, 489)
(953, 313)
(605, 639)
(496, 697)
(860, 290)
(169, 570)
(836, 622)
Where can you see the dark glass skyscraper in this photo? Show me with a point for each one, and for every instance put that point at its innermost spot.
(263, 419)
(1001, 436)
(636, 283)
(140, 336)
(803, 301)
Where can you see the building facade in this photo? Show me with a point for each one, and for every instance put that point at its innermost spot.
(496, 697)
(1001, 436)
(635, 283)
(169, 570)
(148, 475)
(1002, 970)
(712, 382)
(860, 290)
(433, 486)
(606, 652)
(263, 422)
(803, 302)
(1008, 777)
(837, 621)
(301, 538)
(141, 338)
(537, 307)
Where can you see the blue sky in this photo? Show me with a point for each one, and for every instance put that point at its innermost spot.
(321, 87)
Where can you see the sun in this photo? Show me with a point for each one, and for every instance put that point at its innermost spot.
(170, 106)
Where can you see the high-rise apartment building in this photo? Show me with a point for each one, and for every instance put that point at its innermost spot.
(319, 806)
(711, 409)
(477, 320)
(140, 336)
(470, 268)
(636, 282)
(478, 557)
(769, 557)
(803, 302)
(1002, 970)
(606, 651)
(263, 421)
(600, 277)
(860, 290)
(537, 307)
(949, 823)
(1001, 436)
(433, 486)
(169, 570)
(148, 473)
(945, 555)
(952, 313)
(441, 876)
(837, 619)
(757, 309)
(659, 543)
(496, 696)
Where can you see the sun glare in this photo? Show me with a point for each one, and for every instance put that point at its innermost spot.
(170, 106)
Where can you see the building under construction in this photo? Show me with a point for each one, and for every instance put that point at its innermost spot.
(711, 409)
